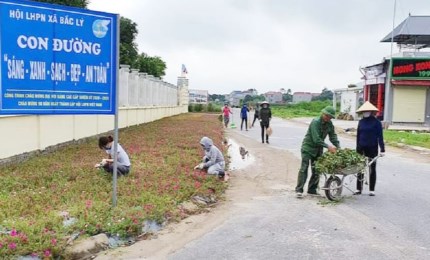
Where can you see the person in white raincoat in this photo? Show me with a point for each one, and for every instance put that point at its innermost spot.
(213, 160)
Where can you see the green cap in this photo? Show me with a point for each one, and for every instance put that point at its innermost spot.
(329, 110)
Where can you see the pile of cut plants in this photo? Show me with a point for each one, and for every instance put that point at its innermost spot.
(332, 163)
(49, 200)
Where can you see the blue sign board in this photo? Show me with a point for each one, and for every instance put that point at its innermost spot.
(56, 59)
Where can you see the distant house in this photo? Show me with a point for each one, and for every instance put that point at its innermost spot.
(236, 96)
(302, 97)
(227, 98)
(350, 98)
(273, 97)
(197, 96)
(252, 92)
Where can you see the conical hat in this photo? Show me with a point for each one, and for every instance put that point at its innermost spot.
(367, 106)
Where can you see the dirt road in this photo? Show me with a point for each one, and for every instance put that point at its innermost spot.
(273, 172)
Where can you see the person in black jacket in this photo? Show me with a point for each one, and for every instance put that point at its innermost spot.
(256, 114)
(369, 137)
(265, 117)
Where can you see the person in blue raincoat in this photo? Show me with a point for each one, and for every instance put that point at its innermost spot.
(244, 116)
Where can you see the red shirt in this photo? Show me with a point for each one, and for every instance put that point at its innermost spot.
(226, 111)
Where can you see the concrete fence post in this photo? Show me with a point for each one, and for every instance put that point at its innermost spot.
(123, 85)
(141, 89)
(132, 88)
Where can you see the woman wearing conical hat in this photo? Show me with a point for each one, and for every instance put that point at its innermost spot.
(265, 117)
(370, 142)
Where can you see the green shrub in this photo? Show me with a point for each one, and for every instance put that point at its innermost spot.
(211, 108)
(198, 108)
(302, 109)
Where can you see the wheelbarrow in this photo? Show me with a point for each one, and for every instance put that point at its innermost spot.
(335, 182)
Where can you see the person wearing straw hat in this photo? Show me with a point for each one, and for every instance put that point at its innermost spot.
(265, 117)
(369, 137)
(312, 148)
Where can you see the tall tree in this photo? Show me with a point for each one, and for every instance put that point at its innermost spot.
(260, 98)
(247, 99)
(75, 3)
(128, 31)
(325, 95)
(154, 66)
(287, 96)
(128, 52)
(214, 97)
(128, 48)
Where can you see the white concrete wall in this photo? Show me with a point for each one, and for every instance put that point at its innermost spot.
(142, 99)
(349, 99)
(302, 97)
(348, 102)
(21, 134)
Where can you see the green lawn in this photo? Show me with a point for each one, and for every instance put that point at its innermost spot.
(408, 138)
(303, 109)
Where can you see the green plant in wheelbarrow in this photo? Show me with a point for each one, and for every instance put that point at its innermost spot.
(343, 162)
(332, 163)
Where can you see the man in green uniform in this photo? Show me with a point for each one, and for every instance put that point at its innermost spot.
(312, 149)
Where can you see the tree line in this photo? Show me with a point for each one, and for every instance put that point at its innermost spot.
(287, 97)
(128, 50)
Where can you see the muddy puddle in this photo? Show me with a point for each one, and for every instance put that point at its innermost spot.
(240, 157)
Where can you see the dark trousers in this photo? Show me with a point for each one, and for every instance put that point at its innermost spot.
(121, 169)
(370, 152)
(244, 119)
(226, 120)
(303, 174)
(263, 130)
(255, 118)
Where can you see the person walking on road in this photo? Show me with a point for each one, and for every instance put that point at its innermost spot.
(312, 148)
(226, 113)
(265, 117)
(369, 137)
(244, 116)
(256, 114)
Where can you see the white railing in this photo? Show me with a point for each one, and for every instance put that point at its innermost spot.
(142, 99)
(143, 90)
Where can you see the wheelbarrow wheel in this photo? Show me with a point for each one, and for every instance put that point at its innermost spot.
(333, 188)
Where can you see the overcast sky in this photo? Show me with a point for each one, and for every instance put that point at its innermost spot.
(228, 45)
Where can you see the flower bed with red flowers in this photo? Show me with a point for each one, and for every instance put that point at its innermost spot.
(49, 199)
